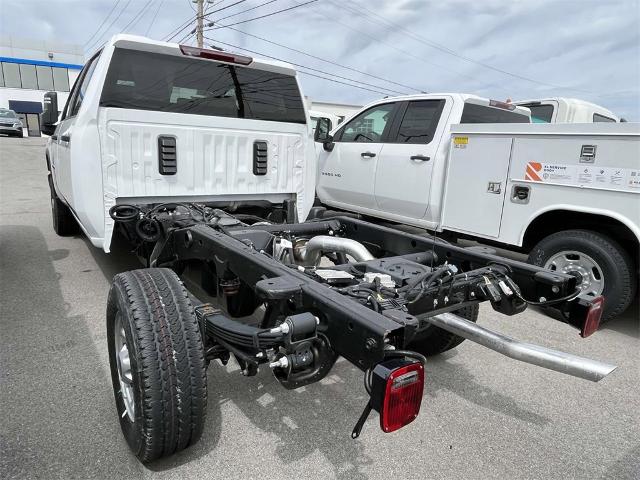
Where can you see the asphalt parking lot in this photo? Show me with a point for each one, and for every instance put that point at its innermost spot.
(483, 416)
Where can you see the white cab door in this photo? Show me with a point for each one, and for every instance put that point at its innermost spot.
(406, 161)
(346, 175)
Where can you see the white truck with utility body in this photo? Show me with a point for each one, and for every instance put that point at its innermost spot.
(475, 168)
(204, 161)
(567, 110)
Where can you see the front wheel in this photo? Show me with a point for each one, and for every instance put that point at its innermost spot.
(157, 362)
(601, 265)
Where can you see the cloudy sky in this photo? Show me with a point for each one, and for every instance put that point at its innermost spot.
(587, 49)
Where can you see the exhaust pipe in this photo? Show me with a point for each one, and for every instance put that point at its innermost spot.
(525, 352)
(310, 254)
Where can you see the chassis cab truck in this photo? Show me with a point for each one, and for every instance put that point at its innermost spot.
(204, 162)
(567, 110)
(569, 194)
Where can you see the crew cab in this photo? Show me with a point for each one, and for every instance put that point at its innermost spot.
(469, 167)
(164, 122)
(567, 110)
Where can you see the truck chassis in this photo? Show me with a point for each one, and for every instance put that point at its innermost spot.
(298, 295)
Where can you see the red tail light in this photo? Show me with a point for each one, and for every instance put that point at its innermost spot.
(396, 392)
(592, 321)
(215, 55)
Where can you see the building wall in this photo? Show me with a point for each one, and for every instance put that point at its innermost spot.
(35, 63)
(341, 110)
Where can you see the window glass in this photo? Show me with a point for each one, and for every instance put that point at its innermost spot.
(60, 79)
(5, 113)
(168, 83)
(540, 113)
(473, 113)
(368, 126)
(82, 88)
(45, 78)
(601, 118)
(11, 75)
(420, 121)
(28, 75)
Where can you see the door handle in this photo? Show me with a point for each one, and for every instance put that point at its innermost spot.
(65, 138)
(422, 158)
(367, 154)
(54, 137)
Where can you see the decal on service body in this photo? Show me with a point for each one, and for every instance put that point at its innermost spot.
(625, 179)
(460, 142)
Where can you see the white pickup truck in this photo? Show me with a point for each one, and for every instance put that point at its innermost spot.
(567, 110)
(464, 166)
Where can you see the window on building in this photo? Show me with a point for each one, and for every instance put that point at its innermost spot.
(11, 75)
(28, 76)
(60, 79)
(45, 78)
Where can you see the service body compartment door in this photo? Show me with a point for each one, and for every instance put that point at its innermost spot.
(476, 183)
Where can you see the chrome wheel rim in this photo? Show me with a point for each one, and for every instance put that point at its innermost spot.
(125, 374)
(589, 273)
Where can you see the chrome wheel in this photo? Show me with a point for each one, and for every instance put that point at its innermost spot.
(125, 375)
(589, 273)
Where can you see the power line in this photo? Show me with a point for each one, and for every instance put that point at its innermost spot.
(430, 43)
(309, 68)
(245, 11)
(146, 33)
(138, 16)
(322, 59)
(103, 22)
(269, 14)
(122, 10)
(404, 52)
(177, 31)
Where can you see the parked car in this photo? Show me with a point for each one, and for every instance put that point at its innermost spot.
(204, 159)
(567, 110)
(469, 167)
(10, 124)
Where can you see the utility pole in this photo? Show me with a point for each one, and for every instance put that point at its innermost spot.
(199, 25)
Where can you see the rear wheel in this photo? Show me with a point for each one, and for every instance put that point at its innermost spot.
(602, 266)
(434, 340)
(157, 362)
(64, 224)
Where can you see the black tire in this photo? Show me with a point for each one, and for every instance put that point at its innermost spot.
(616, 264)
(168, 370)
(433, 340)
(64, 224)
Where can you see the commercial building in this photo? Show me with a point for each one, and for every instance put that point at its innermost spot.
(28, 69)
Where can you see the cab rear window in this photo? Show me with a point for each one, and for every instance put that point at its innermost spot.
(166, 83)
(473, 113)
(540, 113)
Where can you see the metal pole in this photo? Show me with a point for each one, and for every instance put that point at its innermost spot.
(199, 25)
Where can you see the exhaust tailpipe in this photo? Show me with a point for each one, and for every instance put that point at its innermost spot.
(312, 250)
(525, 352)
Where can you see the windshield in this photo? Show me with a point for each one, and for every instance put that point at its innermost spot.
(540, 113)
(7, 114)
(473, 113)
(168, 83)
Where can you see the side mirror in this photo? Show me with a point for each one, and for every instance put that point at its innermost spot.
(323, 127)
(50, 110)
